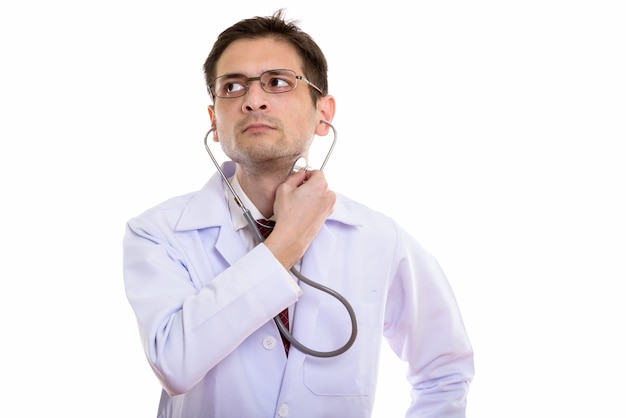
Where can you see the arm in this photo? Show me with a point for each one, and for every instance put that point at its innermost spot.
(190, 314)
(424, 327)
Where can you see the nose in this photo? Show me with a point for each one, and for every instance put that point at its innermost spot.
(256, 97)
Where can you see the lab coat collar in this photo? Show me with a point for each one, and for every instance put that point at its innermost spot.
(208, 207)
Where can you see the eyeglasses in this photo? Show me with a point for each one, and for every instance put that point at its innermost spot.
(273, 81)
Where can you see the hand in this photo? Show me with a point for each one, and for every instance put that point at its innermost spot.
(302, 204)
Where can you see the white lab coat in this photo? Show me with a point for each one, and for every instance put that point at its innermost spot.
(204, 307)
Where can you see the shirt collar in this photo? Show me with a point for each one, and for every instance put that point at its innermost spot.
(236, 214)
(201, 211)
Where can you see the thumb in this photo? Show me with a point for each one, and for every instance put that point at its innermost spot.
(296, 179)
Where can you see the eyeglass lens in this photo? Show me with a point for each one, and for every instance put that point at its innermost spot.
(273, 81)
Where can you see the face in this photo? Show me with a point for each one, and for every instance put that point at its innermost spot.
(261, 128)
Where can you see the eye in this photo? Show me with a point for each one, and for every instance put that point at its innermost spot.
(233, 86)
(278, 83)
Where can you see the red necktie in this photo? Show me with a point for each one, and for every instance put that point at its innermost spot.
(265, 228)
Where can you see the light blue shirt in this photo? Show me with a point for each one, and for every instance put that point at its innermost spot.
(204, 305)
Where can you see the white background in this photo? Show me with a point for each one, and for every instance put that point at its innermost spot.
(494, 131)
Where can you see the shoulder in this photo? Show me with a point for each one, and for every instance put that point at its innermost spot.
(175, 204)
(370, 224)
(357, 214)
(195, 210)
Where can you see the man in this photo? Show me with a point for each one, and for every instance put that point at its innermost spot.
(205, 288)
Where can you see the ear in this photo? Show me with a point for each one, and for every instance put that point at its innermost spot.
(326, 110)
(211, 110)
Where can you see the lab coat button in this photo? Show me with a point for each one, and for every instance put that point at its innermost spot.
(283, 411)
(269, 342)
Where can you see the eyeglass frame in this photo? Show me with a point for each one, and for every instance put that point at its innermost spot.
(249, 79)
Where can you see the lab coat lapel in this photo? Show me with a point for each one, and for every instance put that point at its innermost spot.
(315, 266)
(207, 212)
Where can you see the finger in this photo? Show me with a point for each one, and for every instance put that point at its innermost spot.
(310, 173)
(296, 179)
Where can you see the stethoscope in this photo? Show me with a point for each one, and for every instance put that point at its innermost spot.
(299, 164)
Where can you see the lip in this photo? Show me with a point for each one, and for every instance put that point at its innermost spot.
(256, 128)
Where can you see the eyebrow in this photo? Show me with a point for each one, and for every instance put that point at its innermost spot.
(231, 75)
(271, 71)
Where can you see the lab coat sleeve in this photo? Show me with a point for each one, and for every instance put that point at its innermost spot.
(191, 317)
(424, 327)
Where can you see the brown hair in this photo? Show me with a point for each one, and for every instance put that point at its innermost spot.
(276, 27)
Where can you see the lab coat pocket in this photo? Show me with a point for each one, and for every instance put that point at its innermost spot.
(352, 373)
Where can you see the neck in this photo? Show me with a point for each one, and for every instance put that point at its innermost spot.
(260, 186)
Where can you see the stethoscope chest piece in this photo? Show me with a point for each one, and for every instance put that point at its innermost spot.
(299, 165)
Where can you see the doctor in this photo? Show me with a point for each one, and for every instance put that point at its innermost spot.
(205, 292)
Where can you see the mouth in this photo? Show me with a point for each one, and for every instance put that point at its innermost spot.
(255, 128)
